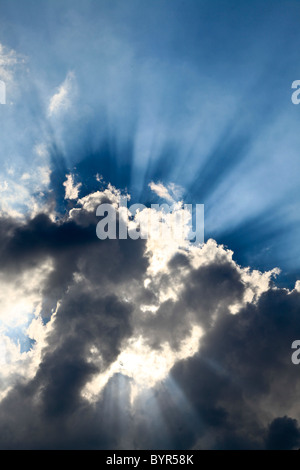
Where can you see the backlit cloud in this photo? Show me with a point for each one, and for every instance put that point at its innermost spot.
(114, 320)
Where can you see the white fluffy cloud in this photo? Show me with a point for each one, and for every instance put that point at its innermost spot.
(71, 189)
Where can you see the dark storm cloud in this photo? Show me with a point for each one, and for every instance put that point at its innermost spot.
(92, 312)
(68, 243)
(239, 391)
(84, 320)
(242, 382)
(27, 424)
(208, 291)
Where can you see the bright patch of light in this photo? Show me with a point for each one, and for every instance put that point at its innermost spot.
(145, 366)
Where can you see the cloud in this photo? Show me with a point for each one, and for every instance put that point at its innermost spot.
(61, 101)
(283, 433)
(148, 344)
(161, 191)
(199, 338)
(8, 60)
(71, 189)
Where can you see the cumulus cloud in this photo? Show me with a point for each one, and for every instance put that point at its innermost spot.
(192, 354)
(71, 189)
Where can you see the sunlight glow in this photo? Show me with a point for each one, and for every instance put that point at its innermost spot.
(144, 365)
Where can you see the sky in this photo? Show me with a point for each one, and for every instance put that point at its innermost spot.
(149, 343)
